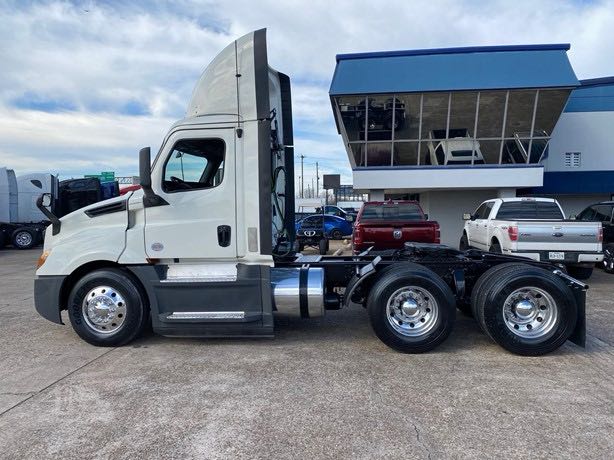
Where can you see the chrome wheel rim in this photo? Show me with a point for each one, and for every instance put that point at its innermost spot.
(23, 238)
(104, 310)
(412, 311)
(531, 313)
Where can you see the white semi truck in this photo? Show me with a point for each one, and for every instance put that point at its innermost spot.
(206, 248)
(22, 224)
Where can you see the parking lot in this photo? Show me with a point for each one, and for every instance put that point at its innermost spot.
(319, 389)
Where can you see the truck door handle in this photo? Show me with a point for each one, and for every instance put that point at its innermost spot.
(223, 235)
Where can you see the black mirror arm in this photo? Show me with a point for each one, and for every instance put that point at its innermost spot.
(56, 224)
(150, 199)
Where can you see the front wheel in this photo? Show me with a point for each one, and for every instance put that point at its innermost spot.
(411, 308)
(106, 308)
(463, 245)
(323, 246)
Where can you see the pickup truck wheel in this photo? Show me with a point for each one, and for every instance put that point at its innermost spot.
(463, 245)
(411, 308)
(608, 258)
(323, 246)
(106, 308)
(580, 273)
(495, 247)
(527, 310)
(24, 238)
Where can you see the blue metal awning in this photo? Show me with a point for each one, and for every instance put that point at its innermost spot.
(454, 69)
(594, 95)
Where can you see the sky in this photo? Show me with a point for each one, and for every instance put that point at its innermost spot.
(85, 85)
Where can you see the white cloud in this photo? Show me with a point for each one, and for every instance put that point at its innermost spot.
(102, 61)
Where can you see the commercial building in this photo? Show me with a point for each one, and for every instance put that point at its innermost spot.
(453, 127)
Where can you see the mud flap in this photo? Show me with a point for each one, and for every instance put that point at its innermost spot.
(578, 336)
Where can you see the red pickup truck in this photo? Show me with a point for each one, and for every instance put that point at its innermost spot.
(389, 224)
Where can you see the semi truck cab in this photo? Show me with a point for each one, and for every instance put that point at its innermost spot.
(206, 247)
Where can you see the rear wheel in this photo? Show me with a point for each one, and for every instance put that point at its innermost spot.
(336, 234)
(608, 258)
(24, 238)
(579, 272)
(411, 308)
(527, 310)
(106, 308)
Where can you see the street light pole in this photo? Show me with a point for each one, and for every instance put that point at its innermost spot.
(317, 181)
(302, 177)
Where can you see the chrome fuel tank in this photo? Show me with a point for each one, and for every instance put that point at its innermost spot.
(298, 291)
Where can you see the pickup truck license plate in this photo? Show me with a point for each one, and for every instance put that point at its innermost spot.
(556, 255)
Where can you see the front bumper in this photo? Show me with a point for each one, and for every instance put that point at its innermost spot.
(47, 297)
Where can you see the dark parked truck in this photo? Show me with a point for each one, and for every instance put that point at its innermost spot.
(205, 248)
(390, 224)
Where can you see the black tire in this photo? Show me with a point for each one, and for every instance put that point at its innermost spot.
(488, 276)
(301, 246)
(136, 309)
(579, 272)
(2, 239)
(390, 281)
(502, 283)
(495, 247)
(323, 246)
(24, 238)
(463, 245)
(608, 258)
(336, 234)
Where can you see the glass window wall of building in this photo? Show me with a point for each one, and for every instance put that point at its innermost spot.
(450, 128)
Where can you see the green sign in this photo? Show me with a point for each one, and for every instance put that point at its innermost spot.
(104, 176)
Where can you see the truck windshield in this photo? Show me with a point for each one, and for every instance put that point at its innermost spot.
(523, 210)
(396, 212)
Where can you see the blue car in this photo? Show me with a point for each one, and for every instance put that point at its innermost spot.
(334, 227)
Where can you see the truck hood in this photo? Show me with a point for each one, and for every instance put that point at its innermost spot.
(108, 213)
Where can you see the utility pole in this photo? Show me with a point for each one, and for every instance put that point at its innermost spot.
(302, 176)
(312, 189)
(317, 181)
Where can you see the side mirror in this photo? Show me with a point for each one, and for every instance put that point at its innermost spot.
(467, 216)
(150, 199)
(145, 169)
(46, 199)
(426, 216)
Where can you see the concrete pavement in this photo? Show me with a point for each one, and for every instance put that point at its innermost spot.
(324, 388)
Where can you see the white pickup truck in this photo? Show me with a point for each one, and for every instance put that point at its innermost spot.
(535, 228)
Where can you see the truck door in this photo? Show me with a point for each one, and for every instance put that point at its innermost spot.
(480, 226)
(197, 181)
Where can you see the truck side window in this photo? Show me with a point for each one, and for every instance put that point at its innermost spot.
(194, 164)
(602, 213)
